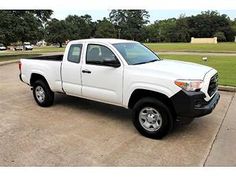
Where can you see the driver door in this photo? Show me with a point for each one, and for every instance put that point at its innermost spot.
(101, 82)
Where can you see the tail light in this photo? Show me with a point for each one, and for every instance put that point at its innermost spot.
(20, 66)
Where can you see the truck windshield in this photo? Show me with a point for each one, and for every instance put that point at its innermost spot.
(136, 53)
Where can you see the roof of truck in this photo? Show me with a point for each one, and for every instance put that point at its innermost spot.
(104, 40)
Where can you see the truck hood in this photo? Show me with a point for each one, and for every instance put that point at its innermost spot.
(178, 69)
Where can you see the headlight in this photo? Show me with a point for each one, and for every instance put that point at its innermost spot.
(189, 85)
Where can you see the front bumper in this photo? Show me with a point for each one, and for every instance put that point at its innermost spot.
(208, 107)
(192, 104)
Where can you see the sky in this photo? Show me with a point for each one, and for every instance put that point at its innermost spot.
(158, 9)
(118, 4)
(158, 14)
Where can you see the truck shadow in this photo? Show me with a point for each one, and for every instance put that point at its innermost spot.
(122, 115)
(101, 109)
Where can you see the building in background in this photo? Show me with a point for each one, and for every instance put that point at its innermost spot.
(204, 40)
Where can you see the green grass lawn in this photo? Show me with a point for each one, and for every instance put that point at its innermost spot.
(225, 65)
(13, 55)
(36, 50)
(228, 47)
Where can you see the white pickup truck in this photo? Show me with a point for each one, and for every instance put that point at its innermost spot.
(125, 73)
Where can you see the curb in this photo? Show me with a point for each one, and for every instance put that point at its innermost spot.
(8, 62)
(220, 87)
(226, 88)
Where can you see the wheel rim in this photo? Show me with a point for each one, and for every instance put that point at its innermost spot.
(40, 94)
(150, 119)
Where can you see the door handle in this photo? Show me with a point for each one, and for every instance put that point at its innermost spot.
(86, 71)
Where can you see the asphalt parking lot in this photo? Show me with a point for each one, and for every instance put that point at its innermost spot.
(78, 132)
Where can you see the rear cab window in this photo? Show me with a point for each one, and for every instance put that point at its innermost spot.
(74, 54)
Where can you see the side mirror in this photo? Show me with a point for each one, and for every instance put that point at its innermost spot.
(113, 62)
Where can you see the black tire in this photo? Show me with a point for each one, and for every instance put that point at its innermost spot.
(166, 117)
(48, 94)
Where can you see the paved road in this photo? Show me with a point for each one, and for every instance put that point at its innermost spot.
(78, 132)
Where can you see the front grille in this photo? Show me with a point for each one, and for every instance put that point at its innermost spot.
(213, 85)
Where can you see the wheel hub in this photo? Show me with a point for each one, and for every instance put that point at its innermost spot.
(40, 94)
(150, 119)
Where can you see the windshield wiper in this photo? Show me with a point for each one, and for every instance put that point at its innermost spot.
(145, 62)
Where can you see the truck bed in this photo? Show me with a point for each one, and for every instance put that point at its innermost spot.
(48, 65)
(48, 57)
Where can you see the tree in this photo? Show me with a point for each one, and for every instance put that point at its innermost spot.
(79, 27)
(167, 29)
(220, 36)
(6, 27)
(43, 15)
(129, 23)
(152, 33)
(233, 26)
(22, 25)
(182, 30)
(208, 23)
(105, 29)
(27, 27)
(56, 31)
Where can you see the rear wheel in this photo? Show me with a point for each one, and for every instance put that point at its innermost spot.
(42, 93)
(152, 118)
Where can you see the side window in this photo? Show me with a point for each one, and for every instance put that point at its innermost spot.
(74, 53)
(97, 53)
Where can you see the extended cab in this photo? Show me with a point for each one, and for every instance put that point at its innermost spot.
(128, 74)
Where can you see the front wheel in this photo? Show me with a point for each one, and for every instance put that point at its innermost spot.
(43, 94)
(152, 118)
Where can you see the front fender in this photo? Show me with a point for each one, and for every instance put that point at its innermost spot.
(150, 87)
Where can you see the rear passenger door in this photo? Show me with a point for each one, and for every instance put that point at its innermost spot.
(71, 71)
(101, 82)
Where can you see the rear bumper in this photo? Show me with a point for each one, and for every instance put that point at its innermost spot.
(21, 79)
(192, 104)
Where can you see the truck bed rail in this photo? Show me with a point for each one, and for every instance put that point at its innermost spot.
(48, 57)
